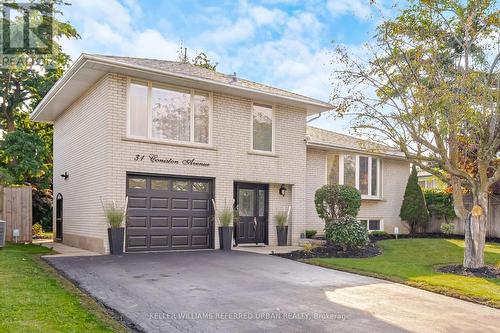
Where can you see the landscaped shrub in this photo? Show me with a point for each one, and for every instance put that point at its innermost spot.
(347, 232)
(379, 233)
(310, 233)
(447, 228)
(42, 207)
(37, 230)
(440, 204)
(335, 201)
(308, 247)
(414, 210)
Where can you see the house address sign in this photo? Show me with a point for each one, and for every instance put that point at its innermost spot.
(154, 158)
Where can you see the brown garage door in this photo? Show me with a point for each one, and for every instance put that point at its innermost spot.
(168, 213)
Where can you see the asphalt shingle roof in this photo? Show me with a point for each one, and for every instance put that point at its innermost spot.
(343, 141)
(188, 69)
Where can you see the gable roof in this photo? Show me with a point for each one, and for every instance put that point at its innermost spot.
(320, 138)
(89, 68)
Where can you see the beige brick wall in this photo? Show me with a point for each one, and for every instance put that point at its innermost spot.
(82, 147)
(91, 144)
(394, 178)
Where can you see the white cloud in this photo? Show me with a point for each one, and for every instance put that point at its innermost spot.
(359, 8)
(238, 31)
(263, 16)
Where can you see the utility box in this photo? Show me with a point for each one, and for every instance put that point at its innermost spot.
(3, 226)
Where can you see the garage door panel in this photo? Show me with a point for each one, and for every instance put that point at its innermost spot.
(159, 203)
(180, 240)
(159, 241)
(180, 222)
(199, 240)
(199, 222)
(137, 202)
(200, 204)
(137, 221)
(168, 213)
(159, 222)
(180, 203)
(137, 241)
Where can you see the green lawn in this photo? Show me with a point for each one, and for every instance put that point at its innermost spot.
(33, 298)
(413, 261)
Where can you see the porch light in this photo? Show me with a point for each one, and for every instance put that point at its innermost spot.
(282, 189)
(65, 175)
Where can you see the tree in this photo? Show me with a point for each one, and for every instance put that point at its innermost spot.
(413, 209)
(200, 60)
(24, 83)
(440, 204)
(431, 87)
(335, 201)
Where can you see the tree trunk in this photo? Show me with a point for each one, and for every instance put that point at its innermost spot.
(475, 232)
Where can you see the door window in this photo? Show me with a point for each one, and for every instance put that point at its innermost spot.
(246, 202)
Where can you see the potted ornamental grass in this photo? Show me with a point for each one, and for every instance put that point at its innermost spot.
(282, 228)
(115, 215)
(226, 218)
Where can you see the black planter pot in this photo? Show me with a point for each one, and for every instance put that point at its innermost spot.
(282, 235)
(225, 238)
(115, 237)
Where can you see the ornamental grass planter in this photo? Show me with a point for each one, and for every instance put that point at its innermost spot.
(225, 238)
(116, 237)
(282, 232)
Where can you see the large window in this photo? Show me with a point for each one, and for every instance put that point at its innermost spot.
(262, 127)
(168, 113)
(372, 224)
(362, 172)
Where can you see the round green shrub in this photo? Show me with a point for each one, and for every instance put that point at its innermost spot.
(335, 201)
(347, 232)
(447, 228)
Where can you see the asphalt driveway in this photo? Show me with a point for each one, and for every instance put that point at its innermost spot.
(215, 291)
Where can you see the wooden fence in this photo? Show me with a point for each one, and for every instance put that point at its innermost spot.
(493, 228)
(17, 211)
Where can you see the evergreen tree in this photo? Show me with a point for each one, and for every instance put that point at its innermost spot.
(414, 210)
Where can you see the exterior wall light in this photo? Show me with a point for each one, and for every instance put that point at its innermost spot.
(282, 189)
(65, 175)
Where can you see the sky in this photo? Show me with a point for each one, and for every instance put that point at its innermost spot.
(284, 43)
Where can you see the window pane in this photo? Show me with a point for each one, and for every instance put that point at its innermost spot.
(333, 169)
(137, 183)
(363, 175)
(138, 94)
(246, 202)
(374, 176)
(262, 202)
(171, 114)
(364, 223)
(350, 170)
(200, 186)
(374, 225)
(201, 118)
(159, 184)
(180, 185)
(262, 127)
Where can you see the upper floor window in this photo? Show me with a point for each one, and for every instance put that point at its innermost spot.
(361, 172)
(262, 127)
(168, 113)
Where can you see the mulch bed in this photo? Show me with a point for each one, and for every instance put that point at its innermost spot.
(489, 272)
(329, 250)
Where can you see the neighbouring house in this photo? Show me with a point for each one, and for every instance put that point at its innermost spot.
(427, 180)
(172, 136)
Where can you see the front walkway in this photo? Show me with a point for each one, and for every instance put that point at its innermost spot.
(265, 249)
(67, 251)
(237, 291)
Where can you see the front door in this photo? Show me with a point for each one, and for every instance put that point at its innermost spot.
(252, 206)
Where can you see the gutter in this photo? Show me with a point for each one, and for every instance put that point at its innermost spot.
(323, 145)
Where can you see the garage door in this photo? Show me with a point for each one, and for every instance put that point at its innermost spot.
(168, 213)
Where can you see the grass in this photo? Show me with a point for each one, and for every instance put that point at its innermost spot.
(34, 298)
(414, 262)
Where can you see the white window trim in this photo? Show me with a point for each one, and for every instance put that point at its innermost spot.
(381, 226)
(160, 85)
(273, 128)
(356, 173)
